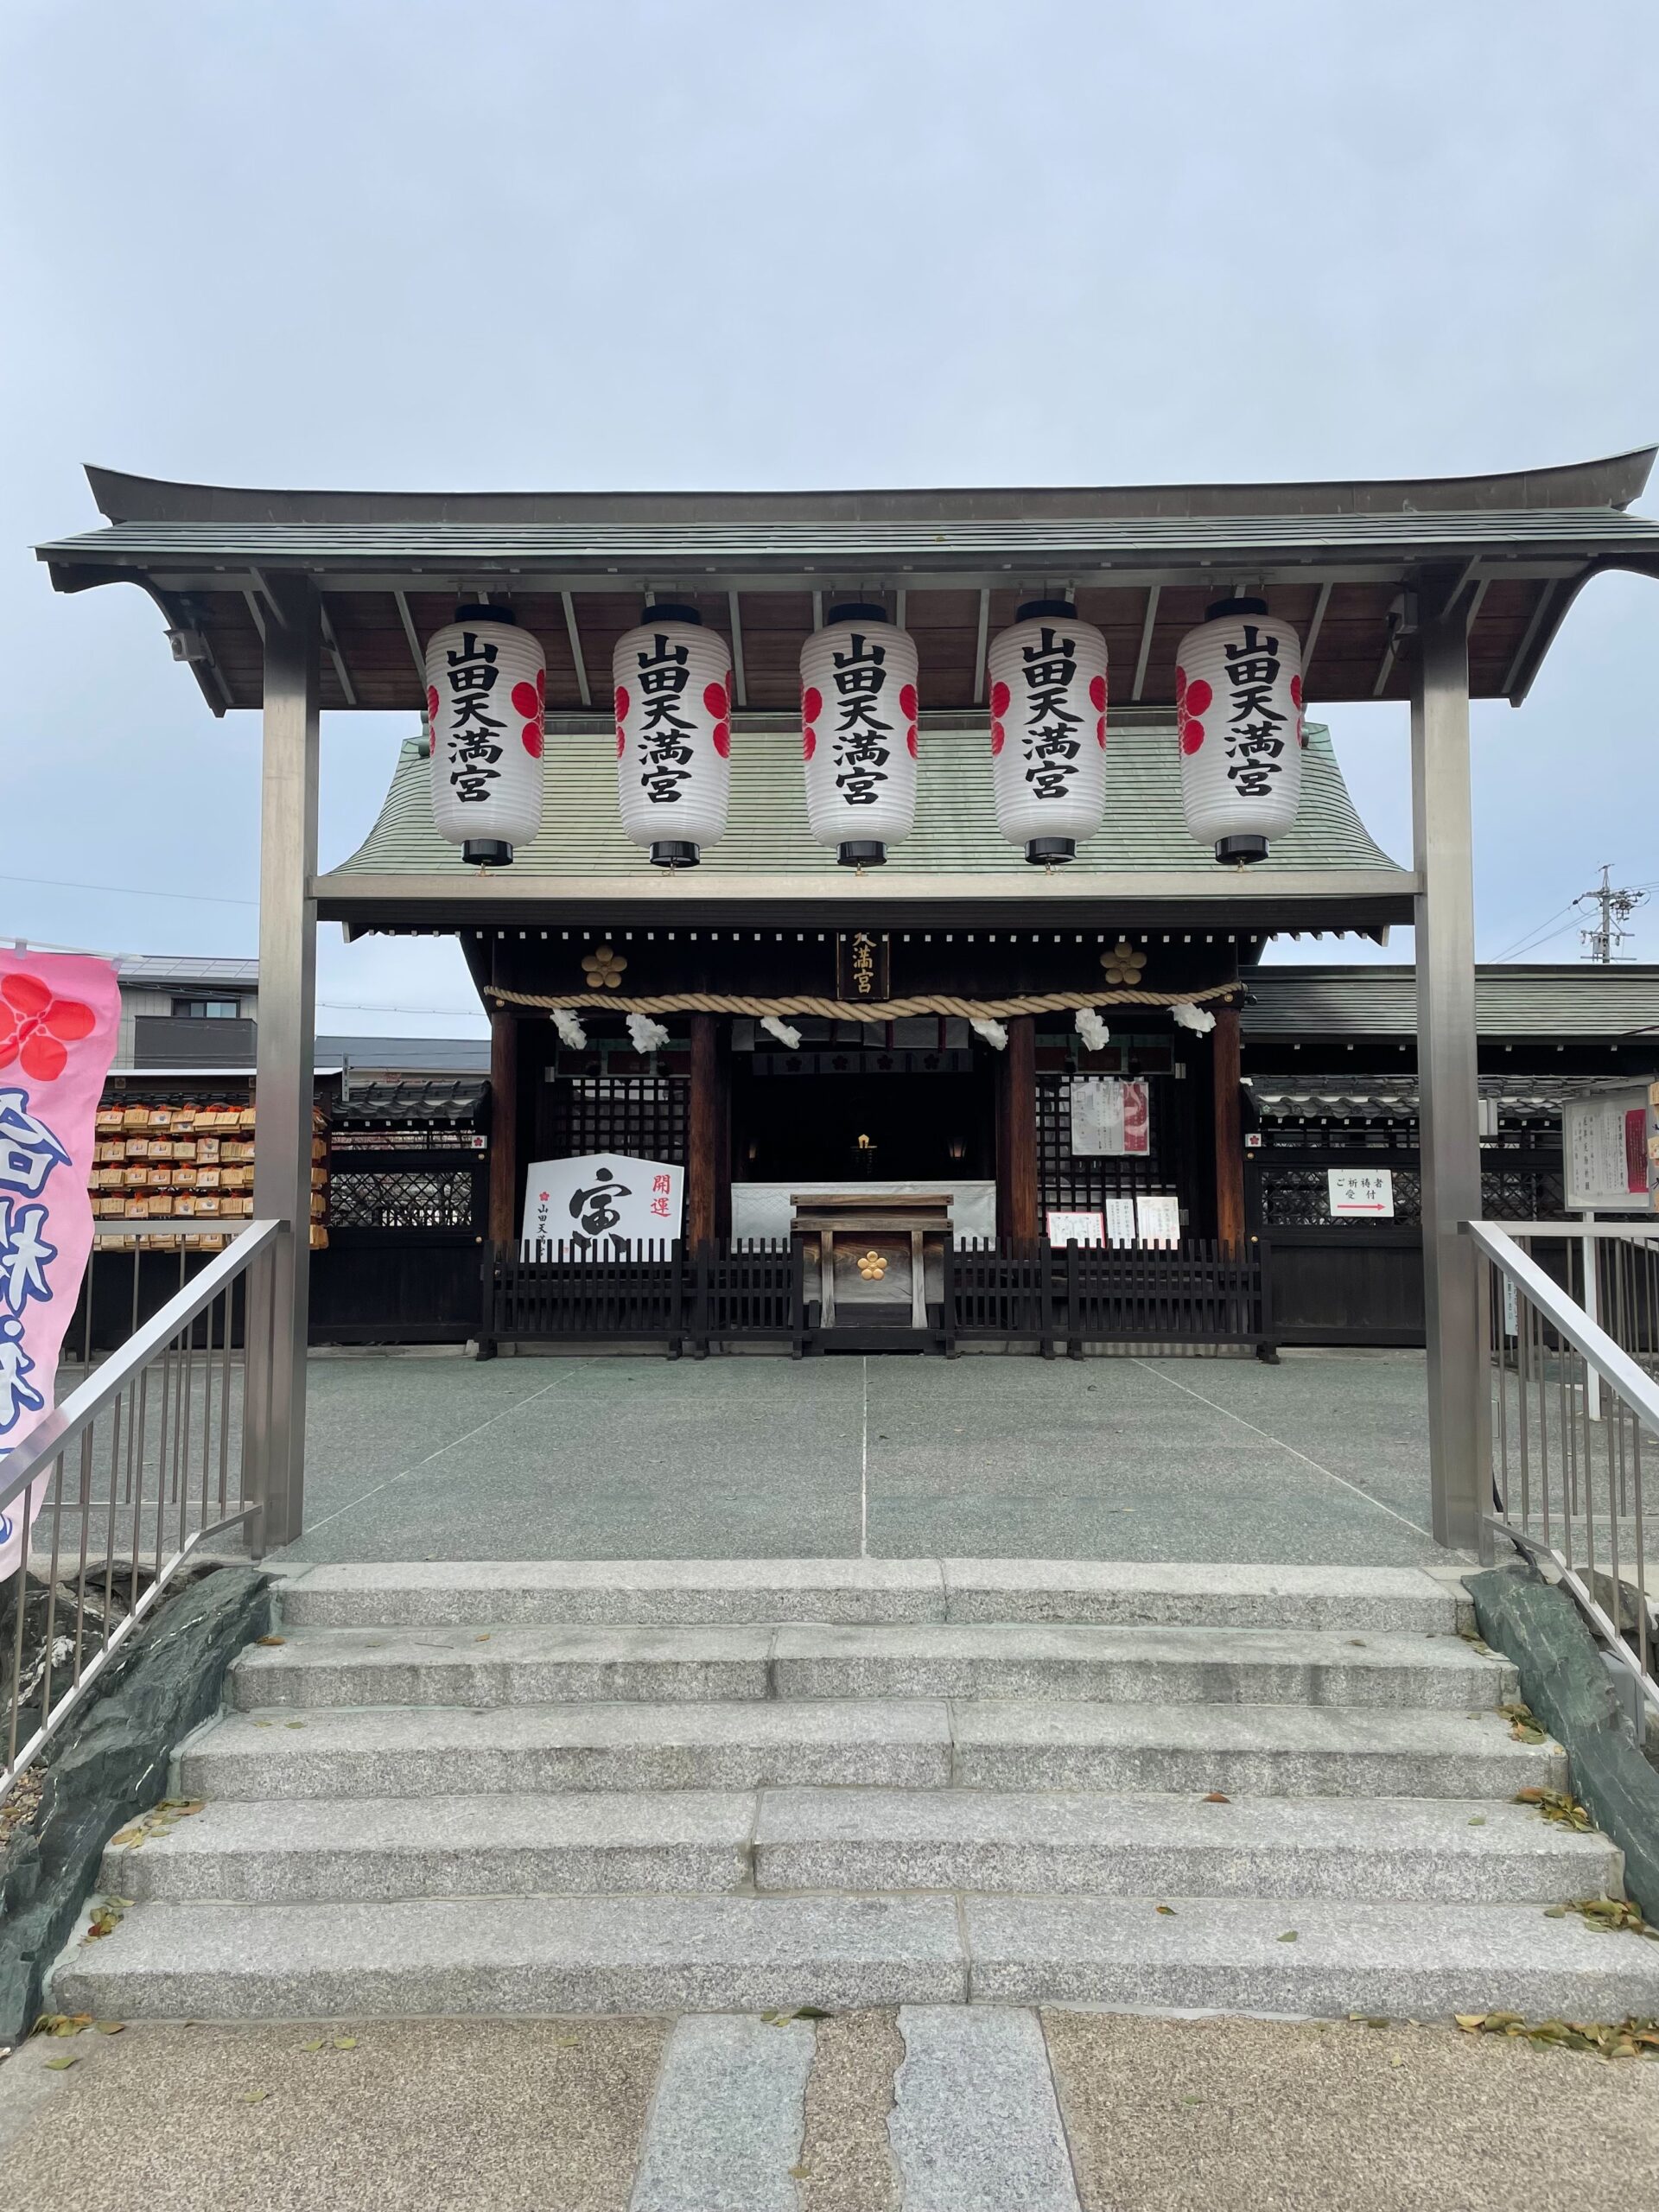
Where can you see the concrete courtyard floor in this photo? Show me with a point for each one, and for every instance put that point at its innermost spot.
(558, 2116)
(1322, 1459)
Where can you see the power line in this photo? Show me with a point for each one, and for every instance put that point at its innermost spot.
(1532, 937)
(128, 891)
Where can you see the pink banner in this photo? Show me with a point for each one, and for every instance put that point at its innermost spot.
(58, 1014)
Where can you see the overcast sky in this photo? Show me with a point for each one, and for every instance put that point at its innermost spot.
(905, 242)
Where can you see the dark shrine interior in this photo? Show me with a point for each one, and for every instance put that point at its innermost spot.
(915, 1126)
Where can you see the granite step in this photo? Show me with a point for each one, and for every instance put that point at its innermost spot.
(314, 1850)
(1456, 1851)
(1245, 1751)
(1314, 1957)
(369, 1849)
(478, 1665)
(410, 1751)
(516, 1956)
(421, 1594)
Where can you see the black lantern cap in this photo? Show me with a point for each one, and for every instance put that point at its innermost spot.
(667, 610)
(861, 853)
(1058, 610)
(1242, 850)
(855, 610)
(1044, 852)
(487, 852)
(1223, 607)
(482, 612)
(674, 852)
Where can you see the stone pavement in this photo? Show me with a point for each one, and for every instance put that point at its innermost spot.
(1321, 1460)
(981, 2109)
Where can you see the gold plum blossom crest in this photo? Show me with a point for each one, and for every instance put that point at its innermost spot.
(872, 1265)
(1123, 964)
(604, 968)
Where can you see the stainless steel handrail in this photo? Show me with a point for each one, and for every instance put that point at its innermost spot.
(1561, 1405)
(56, 1431)
(169, 1386)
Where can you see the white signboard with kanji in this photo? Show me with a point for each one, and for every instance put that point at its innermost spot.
(1158, 1217)
(1109, 1116)
(1609, 1147)
(1119, 1221)
(599, 1205)
(1361, 1194)
(1065, 1227)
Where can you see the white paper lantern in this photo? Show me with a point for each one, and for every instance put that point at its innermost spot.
(486, 706)
(673, 687)
(859, 708)
(1238, 699)
(1047, 683)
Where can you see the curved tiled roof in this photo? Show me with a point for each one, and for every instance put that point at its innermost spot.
(956, 831)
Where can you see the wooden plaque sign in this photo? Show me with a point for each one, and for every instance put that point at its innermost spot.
(863, 966)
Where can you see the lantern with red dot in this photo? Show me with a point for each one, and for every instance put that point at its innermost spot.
(859, 713)
(1046, 677)
(1238, 703)
(673, 700)
(485, 703)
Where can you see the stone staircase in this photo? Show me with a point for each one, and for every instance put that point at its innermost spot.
(682, 1786)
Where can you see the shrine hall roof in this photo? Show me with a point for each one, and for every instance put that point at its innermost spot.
(955, 833)
(1355, 566)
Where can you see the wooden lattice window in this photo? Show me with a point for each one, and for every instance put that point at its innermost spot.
(1086, 1181)
(641, 1116)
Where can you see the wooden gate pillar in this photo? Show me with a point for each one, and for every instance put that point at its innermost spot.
(704, 1122)
(504, 1124)
(1016, 1131)
(1230, 1143)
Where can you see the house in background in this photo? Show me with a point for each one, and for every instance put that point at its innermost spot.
(185, 1010)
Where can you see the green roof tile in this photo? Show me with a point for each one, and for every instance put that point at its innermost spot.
(956, 828)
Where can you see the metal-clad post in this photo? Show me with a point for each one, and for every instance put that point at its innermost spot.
(1459, 1400)
(274, 1422)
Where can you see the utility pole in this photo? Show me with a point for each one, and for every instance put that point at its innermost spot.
(1601, 942)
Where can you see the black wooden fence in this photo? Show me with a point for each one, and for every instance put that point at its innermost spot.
(1020, 1291)
(1199, 1295)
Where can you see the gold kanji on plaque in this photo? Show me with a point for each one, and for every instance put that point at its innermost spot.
(1123, 963)
(604, 968)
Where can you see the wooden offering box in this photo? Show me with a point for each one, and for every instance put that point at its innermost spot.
(902, 1225)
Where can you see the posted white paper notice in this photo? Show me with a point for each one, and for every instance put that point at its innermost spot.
(1109, 1116)
(1158, 1217)
(1119, 1221)
(1068, 1226)
(602, 1203)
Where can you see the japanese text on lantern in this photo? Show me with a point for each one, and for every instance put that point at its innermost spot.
(1049, 739)
(29, 1153)
(665, 754)
(861, 749)
(1254, 744)
(474, 754)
